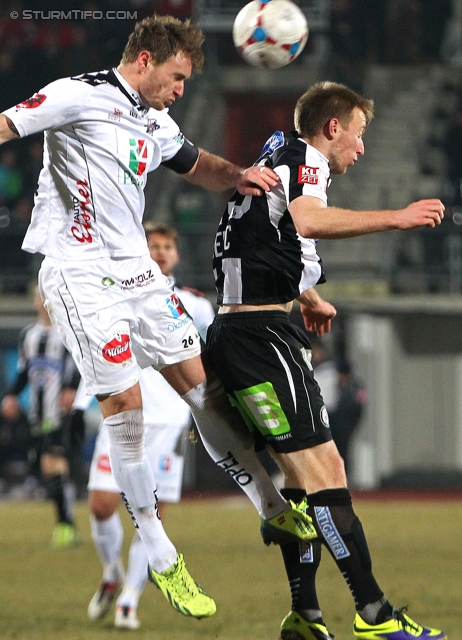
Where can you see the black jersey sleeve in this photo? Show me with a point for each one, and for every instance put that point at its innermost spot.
(185, 159)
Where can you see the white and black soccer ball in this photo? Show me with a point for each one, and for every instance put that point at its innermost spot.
(270, 34)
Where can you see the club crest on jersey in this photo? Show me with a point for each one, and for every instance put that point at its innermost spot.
(152, 126)
(308, 175)
(273, 143)
(117, 350)
(31, 103)
(174, 306)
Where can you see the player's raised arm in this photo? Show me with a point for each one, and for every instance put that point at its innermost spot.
(7, 130)
(217, 174)
(313, 219)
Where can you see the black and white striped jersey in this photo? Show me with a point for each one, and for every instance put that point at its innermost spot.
(47, 367)
(258, 256)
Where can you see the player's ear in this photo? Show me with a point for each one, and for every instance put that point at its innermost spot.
(331, 128)
(144, 58)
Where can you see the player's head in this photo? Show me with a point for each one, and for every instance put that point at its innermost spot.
(337, 116)
(161, 53)
(163, 245)
(164, 37)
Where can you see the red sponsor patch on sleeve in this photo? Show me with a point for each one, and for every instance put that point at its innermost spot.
(31, 103)
(308, 175)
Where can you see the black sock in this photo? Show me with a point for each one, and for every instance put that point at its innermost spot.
(301, 561)
(342, 533)
(59, 490)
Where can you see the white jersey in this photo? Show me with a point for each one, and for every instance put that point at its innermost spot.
(100, 142)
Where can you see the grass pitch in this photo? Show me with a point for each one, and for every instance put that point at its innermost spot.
(415, 546)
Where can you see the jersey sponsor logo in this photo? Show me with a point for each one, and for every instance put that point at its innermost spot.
(99, 77)
(107, 282)
(103, 464)
(231, 465)
(138, 156)
(31, 103)
(82, 219)
(115, 115)
(174, 306)
(139, 114)
(330, 533)
(308, 175)
(179, 138)
(273, 143)
(140, 280)
(117, 350)
(324, 416)
(165, 463)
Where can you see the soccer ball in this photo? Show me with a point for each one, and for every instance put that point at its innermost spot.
(270, 33)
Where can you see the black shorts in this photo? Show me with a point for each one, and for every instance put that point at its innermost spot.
(57, 442)
(263, 361)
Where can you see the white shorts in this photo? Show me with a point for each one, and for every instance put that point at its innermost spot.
(164, 450)
(115, 317)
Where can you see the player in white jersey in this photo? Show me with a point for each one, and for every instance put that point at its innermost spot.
(115, 310)
(166, 419)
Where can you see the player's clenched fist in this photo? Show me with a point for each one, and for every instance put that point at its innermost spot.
(426, 213)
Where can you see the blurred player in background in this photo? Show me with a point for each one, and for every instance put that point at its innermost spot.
(47, 368)
(115, 311)
(167, 420)
(265, 258)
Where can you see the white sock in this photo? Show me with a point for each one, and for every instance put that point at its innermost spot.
(107, 537)
(137, 574)
(133, 473)
(230, 444)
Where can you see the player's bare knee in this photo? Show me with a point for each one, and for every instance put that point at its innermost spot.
(103, 504)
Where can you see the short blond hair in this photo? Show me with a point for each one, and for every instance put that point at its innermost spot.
(324, 101)
(162, 229)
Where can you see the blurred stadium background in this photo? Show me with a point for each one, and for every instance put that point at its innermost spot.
(399, 295)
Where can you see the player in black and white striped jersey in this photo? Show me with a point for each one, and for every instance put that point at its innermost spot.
(48, 370)
(265, 258)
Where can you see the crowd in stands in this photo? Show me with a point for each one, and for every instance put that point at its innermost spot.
(33, 52)
(36, 50)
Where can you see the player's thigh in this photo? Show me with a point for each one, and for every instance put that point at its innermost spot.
(313, 469)
(262, 361)
(52, 465)
(184, 375)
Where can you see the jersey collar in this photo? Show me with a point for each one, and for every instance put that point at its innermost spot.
(119, 81)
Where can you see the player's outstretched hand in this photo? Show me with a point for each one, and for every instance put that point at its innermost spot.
(255, 180)
(424, 213)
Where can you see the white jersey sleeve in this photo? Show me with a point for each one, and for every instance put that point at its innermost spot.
(57, 104)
